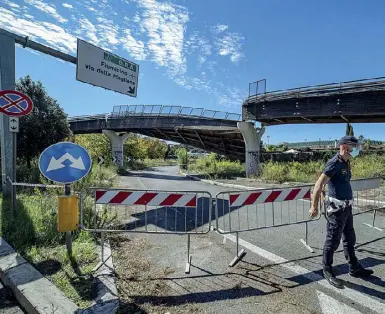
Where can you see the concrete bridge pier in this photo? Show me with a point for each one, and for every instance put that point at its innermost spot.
(117, 141)
(252, 137)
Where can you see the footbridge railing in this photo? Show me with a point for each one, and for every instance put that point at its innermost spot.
(158, 110)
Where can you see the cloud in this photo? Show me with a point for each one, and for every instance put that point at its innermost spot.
(199, 44)
(155, 32)
(230, 44)
(133, 46)
(230, 98)
(49, 9)
(68, 6)
(11, 4)
(88, 30)
(108, 33)
(164, 25)
(52, 34)
(219, 28)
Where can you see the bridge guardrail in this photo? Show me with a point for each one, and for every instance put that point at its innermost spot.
(147, 211)
(377, 83)
(159, 110)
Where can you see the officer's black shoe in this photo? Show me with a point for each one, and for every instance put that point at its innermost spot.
(329, 276)
(360, 272)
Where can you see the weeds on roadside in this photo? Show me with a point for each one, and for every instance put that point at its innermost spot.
(365, 166)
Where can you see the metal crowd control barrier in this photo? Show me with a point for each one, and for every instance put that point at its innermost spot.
(261, 209)
(146, 211)
(368, 197)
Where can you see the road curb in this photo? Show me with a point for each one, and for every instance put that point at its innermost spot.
(35, 293)
(234, 186)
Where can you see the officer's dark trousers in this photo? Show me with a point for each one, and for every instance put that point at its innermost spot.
(340, 224)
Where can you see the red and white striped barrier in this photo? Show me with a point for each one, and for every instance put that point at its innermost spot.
(123, 197)
(269, 196)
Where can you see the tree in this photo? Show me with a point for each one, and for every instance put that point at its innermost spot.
(361, 138)
(134, 148)
(349, 129)
(96, 145)
(45, 126)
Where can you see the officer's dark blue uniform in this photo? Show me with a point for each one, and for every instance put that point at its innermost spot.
(340, 223)
(340, 217)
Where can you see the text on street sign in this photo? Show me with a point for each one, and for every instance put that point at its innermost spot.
(102, 68)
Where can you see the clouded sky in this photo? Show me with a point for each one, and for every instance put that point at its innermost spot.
(204, 53)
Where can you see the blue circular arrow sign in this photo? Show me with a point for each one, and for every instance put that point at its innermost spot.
(65, 162)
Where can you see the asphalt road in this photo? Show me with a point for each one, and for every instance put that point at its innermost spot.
(276, 250)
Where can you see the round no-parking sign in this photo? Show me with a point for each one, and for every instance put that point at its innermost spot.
(14, 103)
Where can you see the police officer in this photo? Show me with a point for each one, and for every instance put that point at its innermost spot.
(339, 210)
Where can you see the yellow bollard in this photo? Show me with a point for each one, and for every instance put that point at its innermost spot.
(68, 214)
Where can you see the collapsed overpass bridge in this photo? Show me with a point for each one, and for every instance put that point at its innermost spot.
(210, 130)
(229, 134)
(360, 101)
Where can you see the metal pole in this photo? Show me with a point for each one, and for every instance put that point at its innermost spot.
(237, 244)
(14, 172)
(306, 231)
(188, 263)
(67, 192)
(27, 43)
(102, 245)
(7, 81)
(188, 248)
(374, 217)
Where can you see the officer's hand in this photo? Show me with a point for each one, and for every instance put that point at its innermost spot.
(313, 212)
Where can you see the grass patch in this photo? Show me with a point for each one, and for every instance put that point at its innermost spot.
(211, 167)
(73, 276)
(366, 166)
(362, 167)
(32, 231)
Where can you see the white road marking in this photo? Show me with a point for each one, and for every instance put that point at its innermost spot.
(369, 225)
(351, 294)
(330, 305)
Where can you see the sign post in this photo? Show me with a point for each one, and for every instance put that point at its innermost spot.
(13, 104)
(67, 192)
(65, 162)
(7, 81)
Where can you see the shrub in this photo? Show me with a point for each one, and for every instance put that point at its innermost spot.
(274, 171)
(182, 158)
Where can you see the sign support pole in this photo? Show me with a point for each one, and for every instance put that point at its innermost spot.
(13, 187)
(7, 82)
(67, 192)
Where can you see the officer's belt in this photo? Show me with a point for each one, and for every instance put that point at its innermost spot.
(339, 204)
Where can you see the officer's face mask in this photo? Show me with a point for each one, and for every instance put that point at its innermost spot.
(355, 152)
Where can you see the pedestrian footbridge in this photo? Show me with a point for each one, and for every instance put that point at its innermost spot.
(210, 130)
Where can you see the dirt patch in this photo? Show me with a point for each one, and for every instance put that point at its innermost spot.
(138, 278)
